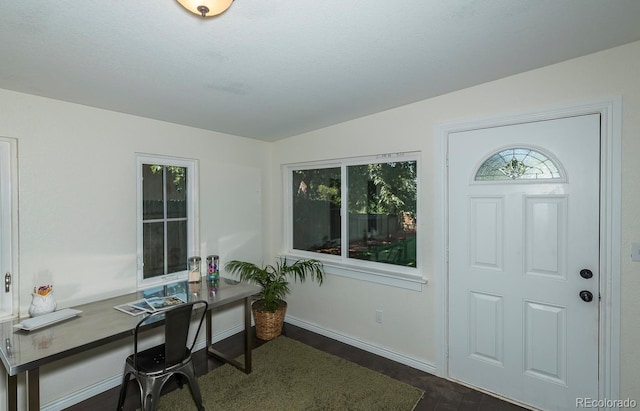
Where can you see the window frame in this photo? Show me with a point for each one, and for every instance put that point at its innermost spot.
(342, 265)
(193, 224)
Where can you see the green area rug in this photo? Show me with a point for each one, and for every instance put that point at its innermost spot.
(291, 376)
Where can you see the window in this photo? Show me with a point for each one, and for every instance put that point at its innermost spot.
(518, 163)
(167, 234)
(316, 210)
(369, 205)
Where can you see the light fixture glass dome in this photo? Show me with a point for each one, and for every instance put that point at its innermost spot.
(206, 8)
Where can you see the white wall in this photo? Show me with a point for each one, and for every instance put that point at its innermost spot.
(77, 205)
(346, 307)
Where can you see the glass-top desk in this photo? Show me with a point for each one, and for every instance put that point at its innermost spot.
(98, 324)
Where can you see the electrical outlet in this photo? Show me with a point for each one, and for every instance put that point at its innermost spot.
(379, 316)
(635, 251)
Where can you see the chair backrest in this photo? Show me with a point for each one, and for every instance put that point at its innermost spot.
(177, 321)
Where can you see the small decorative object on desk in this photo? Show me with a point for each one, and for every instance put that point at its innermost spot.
(213, 268)
(194, 269)
(42, 301)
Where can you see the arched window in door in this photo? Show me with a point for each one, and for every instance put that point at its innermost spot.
(519, 163)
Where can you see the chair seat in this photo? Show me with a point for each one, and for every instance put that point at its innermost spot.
(152, 360)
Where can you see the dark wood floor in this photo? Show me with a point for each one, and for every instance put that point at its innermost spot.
(440, 394)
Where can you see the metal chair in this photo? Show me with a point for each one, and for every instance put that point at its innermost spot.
(153, 367)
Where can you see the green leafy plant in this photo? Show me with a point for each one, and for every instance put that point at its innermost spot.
(274, 278)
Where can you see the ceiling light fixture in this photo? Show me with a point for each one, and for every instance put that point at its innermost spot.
(206, 8)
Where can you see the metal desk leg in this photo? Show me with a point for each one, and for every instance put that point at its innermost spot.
(12, 393)
(248, 340)
(246, 367)
(33, 389)
(208, 328)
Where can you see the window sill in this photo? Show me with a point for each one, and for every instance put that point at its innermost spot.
(384, 277)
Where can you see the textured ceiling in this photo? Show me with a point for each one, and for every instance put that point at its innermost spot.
(272, 69)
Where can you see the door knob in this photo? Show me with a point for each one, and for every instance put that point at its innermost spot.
(586, 296)
(586, 273)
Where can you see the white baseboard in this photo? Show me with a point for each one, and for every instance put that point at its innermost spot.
(83, 394)
(383, 352)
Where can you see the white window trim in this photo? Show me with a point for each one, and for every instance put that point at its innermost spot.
(379, 273)
(193, 220)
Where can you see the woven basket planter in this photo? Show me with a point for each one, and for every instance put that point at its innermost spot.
(269, 324)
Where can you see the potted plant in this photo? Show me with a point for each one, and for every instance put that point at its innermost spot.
(270, 307)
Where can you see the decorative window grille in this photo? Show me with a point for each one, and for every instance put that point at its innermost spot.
(519, 163)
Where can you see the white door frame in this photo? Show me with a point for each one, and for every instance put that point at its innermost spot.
(9, 226)
(610, 110)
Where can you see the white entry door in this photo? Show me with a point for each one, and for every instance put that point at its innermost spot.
(524, 260)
